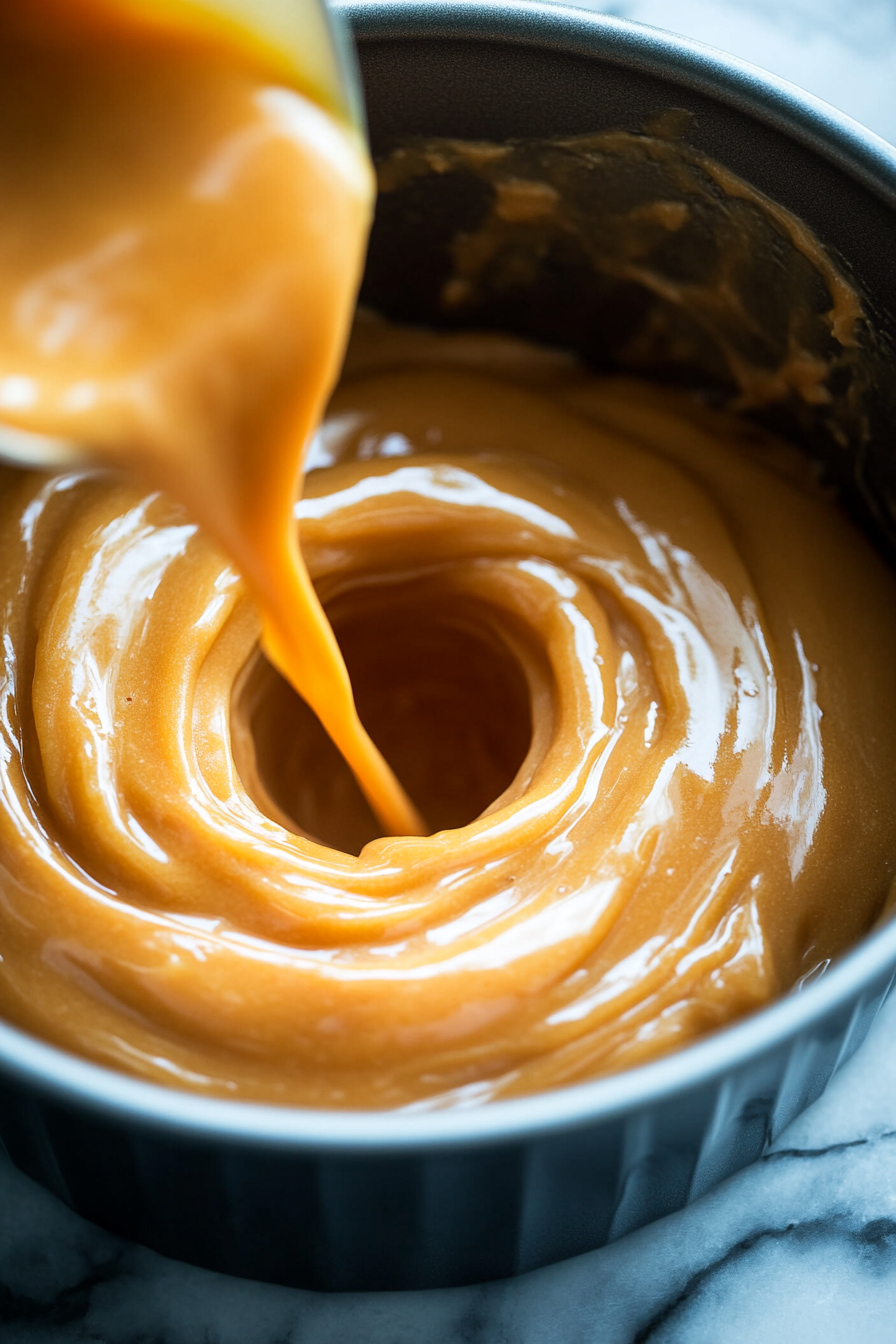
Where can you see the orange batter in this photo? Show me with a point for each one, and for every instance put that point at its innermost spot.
(182, 238)
(634, 671)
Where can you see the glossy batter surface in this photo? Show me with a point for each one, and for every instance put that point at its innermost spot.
(632, 669)
(678, 662)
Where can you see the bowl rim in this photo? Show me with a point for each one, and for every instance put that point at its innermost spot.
(547, 24)
(67, 1079)
(61, 1077)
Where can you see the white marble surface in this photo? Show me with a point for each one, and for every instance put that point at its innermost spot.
(841, 50)
(798, 1249)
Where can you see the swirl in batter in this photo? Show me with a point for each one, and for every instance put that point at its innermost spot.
(633, 674)
(633, 668)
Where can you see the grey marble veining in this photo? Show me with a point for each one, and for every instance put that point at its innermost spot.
(798, 1249)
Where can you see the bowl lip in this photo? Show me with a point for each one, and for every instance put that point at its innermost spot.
(864, 972)
(833, 135)
(867, 971)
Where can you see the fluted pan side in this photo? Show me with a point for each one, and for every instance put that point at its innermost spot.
(421, 1219)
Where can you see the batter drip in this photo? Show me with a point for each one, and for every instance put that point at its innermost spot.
(183, 227)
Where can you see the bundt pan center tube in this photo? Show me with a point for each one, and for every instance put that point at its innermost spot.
(377, 1200)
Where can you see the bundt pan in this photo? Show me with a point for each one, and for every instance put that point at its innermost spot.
(614, 117)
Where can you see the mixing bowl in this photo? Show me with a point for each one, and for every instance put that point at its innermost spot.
(351, 1201)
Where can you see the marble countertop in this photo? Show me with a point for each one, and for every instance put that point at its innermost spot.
(799, 1248)
(843, 52)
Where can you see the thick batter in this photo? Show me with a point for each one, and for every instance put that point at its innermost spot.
(634, 671)
(642, 680)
